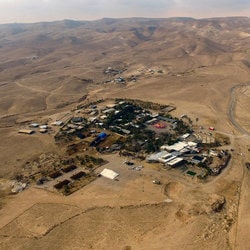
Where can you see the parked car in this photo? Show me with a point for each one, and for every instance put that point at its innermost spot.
(157, 182)
(129, 163)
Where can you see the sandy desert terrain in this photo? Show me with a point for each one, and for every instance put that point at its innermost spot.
(202, 67)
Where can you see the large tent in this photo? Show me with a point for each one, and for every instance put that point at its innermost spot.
(108, 173)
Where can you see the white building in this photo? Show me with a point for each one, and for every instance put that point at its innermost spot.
(179, 146)
(156, 156)
(175, 162)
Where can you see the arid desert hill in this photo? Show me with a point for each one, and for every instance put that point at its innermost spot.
(43, 65)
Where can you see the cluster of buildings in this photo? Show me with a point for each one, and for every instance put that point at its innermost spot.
(113, 71)
(129, 121)
(132, 78)
(188, 153)
(171, 155)
(76, 123)
(120, 79)
(124, 118)
(42, 128)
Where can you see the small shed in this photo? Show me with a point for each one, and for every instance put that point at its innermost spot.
(26, 131)
(34, 125)
(43, 126)
(43, 130)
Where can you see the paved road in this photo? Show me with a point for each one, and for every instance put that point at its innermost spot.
(231, 108)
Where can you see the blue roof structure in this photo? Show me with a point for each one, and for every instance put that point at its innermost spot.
(98, 139)
(102, 135)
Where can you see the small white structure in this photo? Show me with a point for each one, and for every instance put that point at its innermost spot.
(108, 173)
(57, 123)
(43, 130)
(151, 121)
(92, 119)
(166, 160)
(175, 147)
(34, 125)
(179, 146)
(213, 152)
(185, 136)
(175, 162)
(18, 187)
(111, 105)
(43, 126)
(103, 117)
(108, 111)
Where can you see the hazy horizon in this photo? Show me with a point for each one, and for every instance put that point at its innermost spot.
(30, 11)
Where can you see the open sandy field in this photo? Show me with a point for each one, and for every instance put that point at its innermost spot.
(206, 74)
(130, 213)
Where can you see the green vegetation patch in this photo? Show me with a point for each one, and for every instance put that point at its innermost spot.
(191, 173)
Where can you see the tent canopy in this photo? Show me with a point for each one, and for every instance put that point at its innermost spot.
(108, 173)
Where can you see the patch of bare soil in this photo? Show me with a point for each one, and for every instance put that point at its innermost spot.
(136, 227)
(39, 220)
(85, 222)
(242, 114)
